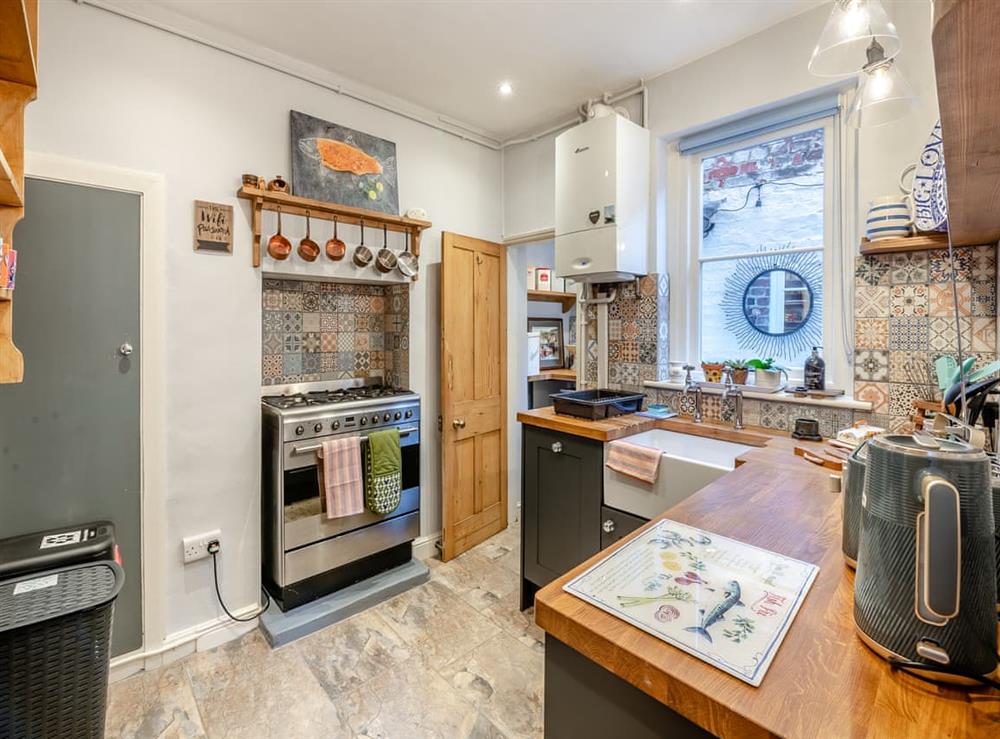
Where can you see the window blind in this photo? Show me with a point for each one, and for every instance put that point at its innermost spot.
(756, 124)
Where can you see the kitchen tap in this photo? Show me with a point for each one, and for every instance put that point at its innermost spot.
(691, 385)
(736, 393)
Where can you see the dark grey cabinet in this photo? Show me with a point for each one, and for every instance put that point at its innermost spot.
(562, 489)
(616, 525)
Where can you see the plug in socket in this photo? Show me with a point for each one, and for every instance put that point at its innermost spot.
(196, 547)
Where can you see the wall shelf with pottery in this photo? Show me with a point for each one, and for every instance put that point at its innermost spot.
(262, 200)
(920, 242)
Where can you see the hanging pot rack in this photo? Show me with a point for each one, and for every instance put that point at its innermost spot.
(261, 200)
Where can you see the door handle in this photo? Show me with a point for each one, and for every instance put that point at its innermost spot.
(458, 423)
(125, 349)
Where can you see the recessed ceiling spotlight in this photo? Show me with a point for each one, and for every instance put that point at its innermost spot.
(505, 88)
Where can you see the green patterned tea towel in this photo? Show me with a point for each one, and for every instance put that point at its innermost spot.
(384, 473)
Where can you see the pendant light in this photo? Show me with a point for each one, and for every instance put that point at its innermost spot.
(852, 27)
(883, 93)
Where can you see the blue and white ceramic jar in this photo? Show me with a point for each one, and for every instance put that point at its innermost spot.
(888, 218)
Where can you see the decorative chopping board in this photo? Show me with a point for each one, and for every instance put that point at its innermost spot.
(723, 601)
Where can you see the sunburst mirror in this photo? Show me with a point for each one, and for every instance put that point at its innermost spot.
(773, 304)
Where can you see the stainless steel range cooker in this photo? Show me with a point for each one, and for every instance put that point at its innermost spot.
(307, 555)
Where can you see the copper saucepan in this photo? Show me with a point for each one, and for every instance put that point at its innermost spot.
(406, 262)
(362, 254)
(308, 249)
(385, 260)
(278, 246)
(335, 248)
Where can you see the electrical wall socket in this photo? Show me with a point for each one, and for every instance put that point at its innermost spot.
(196, 547)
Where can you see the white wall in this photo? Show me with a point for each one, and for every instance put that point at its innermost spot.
(120, 93)
(757, 72)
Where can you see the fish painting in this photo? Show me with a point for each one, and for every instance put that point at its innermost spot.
(339, 164)
(731, 598)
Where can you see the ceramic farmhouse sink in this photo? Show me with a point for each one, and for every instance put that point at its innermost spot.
(689, 463)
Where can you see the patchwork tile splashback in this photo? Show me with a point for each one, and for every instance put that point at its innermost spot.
(334, 331)
(637, 333)
(904, 320)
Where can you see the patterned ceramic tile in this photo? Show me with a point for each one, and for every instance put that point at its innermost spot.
(943, 336)
(774, 415)
(901, 397)
(984, 334)
(908, 300)
(273, 321)
(909, 268)
(272, 300)
(311, 342)
(273, 366)
(871, 301)
(871, 365)
(291, 322)
(940, 265)
(291, 300)
(984, 298)
(984, 263)
(292, 363)
(909, 367)
(908, 333)
(293, 344)
(310, 302)
(876, 393)
(941, 299)
(273, 343)
(310, 321)
(871, 271)
(872, 333)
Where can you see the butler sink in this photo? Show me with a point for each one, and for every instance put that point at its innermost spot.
(689, 463)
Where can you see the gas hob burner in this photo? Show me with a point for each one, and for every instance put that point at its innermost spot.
(332, 397)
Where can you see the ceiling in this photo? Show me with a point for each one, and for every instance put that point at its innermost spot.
(450, 56)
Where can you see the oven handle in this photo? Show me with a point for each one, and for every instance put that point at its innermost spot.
(296, 450)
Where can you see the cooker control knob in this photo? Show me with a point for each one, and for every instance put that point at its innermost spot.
(386, 417)
(375, 419)
(299, 430)
(398, 415)
(335, 425)
(409, 414)
(364, 421)
(318, 427)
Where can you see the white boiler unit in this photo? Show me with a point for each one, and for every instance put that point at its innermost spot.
(602, 200)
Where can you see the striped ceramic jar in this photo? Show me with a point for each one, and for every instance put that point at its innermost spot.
(888, 218)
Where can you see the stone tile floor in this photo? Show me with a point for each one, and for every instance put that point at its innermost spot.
(452, 658)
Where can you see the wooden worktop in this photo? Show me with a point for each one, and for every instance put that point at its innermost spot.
(565, 375)
(606, 430)
(823, 681)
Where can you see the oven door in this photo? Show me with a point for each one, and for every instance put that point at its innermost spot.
(305, 520)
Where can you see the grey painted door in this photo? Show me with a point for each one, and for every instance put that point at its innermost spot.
(69, 436)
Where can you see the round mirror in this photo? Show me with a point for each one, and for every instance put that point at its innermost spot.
(777, 302)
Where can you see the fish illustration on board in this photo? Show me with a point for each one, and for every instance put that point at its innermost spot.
(731, 598)
(340, 156)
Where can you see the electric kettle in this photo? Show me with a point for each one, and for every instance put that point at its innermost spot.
(925, 591)
(853, 486)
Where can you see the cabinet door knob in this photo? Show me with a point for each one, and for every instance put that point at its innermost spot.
(608, 526)
(125, 349)
(458, 423)
(556, 447)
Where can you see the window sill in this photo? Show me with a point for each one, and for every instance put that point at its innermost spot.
(844, 401)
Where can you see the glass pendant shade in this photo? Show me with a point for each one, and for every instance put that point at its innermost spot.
(883, 96)
(851, 28)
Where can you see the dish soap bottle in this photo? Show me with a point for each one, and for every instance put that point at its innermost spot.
(814, 371)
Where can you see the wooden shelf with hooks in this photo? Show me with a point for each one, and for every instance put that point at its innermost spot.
(262, 200)
(920, 242)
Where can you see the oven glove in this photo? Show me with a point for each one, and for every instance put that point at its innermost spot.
(384, 474)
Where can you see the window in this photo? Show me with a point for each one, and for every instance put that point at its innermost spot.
(760, 260)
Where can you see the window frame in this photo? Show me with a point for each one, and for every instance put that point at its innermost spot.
(685, 262)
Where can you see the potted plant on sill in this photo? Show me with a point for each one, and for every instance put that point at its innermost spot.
(739, 369)
(712, 371)
(766, 372)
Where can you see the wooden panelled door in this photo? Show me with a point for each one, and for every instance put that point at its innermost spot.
(473, 391)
